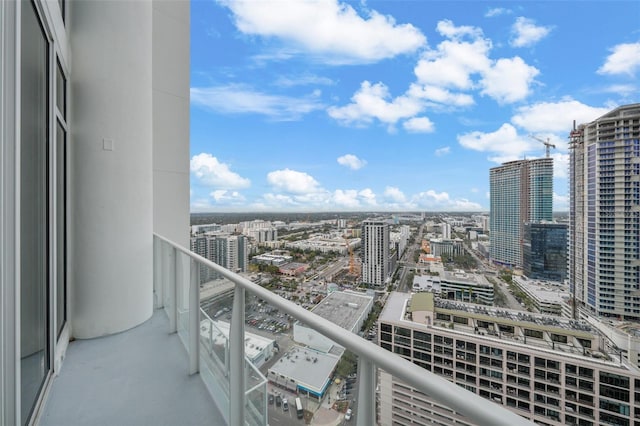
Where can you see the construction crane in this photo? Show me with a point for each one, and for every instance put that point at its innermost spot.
(548, 145)
(353, 268)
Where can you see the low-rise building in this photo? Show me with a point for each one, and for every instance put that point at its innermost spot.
(455, 285)
(548, 297)
(551, 370)
(449, 247)
(304, 370)
(346, 309)
(293, 269)
(257, 349)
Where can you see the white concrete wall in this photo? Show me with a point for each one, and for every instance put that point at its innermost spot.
(170, 89)
(111, 158)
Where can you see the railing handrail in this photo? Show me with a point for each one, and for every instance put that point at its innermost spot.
(476, 408)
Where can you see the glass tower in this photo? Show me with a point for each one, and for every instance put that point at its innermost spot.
(521, 191)
(545, 251)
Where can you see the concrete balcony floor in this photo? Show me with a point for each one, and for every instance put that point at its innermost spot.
(134, 378)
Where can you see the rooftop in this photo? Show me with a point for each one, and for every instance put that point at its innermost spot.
(401, 306)
(544, 291)
(463, 277)
(254, 345)
(310, 369)
(343, 308)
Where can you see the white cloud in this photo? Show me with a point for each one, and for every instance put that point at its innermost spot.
(346, 198)
(327, 29)
(560, 202)
(278, 200)
(241, 99)
(504, 144)
(419, 125)
(560, 165)
(293, 181)
(453, 62)
(303, 80)
(442, 151)
(372, 102)
(351, 161)
(227, 197)
(624, 59)
(555, 116)
(508, 80)
(440, 95)
(394, 194)
(210, 171)
(441, 201)
(465, 54)
(526, 33)
(448, 29)
(353, 199)
(368, 197)
(497, 11)
(628, 90)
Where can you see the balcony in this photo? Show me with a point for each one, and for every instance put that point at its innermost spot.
(187, 366)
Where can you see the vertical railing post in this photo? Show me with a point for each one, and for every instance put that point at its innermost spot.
(366, 414)
(173, 290)
(236, 361)
(157, 273)
(194, 318)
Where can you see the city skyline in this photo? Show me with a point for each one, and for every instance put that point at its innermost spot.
(403, 106)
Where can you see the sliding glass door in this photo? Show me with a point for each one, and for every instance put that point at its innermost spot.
(34, 210)
(43, 151)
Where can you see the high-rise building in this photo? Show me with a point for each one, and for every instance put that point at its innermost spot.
(521, 191)
(228, 251)
(604, 228)
(375, 252)
(445, 231)
(551, 370)
(545, 251)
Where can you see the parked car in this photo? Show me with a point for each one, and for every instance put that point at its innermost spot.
(285, 405)
(347, 415)
(278, 400)
(271, 399)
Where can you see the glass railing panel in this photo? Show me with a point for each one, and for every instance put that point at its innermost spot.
(299, 363)
(288, 358)
(256, 397)
(183, 281)
(165, 269)
(214, 362)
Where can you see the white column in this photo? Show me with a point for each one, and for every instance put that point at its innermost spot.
(236, 361)
(366, 392)
(111, 144)
(171, 61)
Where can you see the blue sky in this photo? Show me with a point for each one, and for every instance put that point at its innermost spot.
(328, 105)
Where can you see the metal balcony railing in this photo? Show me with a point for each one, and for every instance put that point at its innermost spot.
(240, 389)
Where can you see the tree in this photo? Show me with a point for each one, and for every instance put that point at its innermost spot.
(348, 364)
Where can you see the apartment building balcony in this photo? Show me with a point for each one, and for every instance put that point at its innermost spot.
(182, 367)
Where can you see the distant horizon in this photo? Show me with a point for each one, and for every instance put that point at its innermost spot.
(353, 212)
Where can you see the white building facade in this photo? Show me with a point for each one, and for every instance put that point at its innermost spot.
(375, 252)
